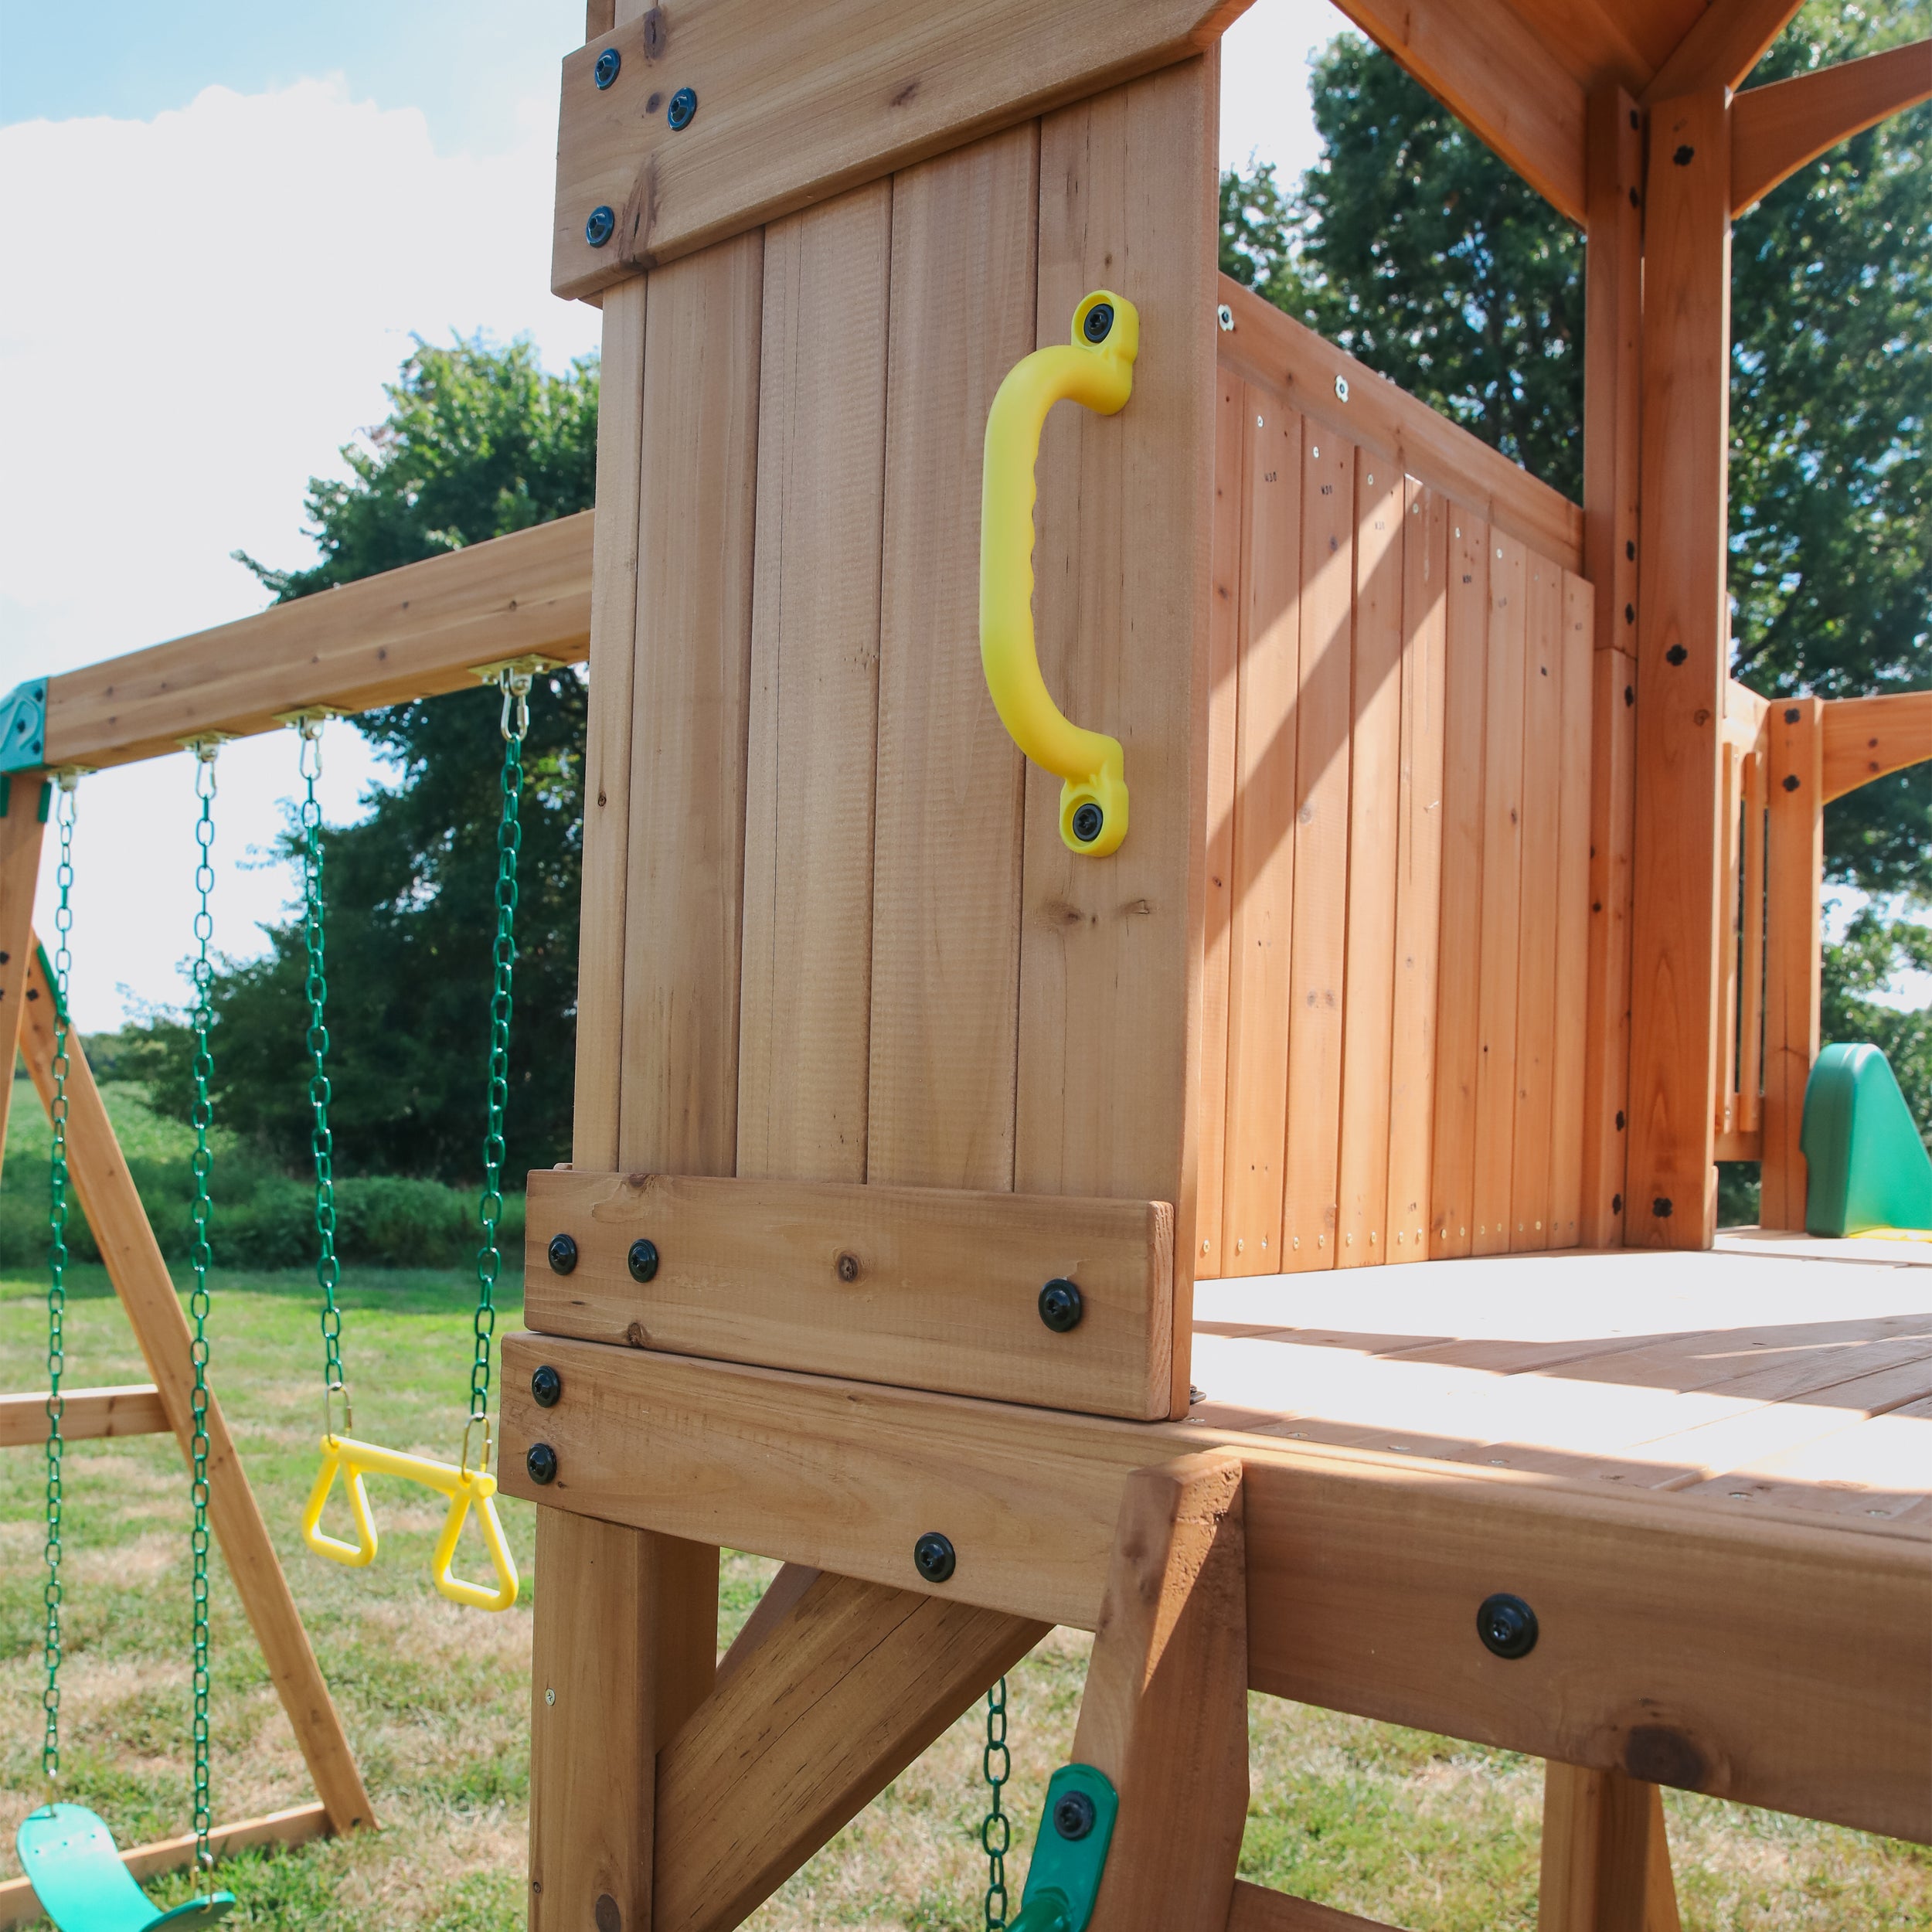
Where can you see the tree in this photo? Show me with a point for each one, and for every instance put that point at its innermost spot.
(479, 441)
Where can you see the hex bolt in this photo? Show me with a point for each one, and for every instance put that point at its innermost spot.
(1073, 1814)
(563, 1252)
(605, 70)
(545, 1387)
(682, 110)
(1061, 1304)
(1507, 1626)
(601, 226)
(933, 1557)
(541, 1462)
(1098, 323)
(1088, 821)
(643, 1259)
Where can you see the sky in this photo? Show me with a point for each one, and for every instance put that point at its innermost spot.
(222, 224)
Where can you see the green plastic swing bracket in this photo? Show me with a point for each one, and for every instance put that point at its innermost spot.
(1866, 1168)
(23, 726)
(1069, 1852)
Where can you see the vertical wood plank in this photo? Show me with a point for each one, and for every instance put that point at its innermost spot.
(1452, 1178)
(1311, 1164)
(1263, 907)
(1730, 936)
(1794, 944)
(1573, 922)
(946, 866)
(1111, 956)
(1411, 1078)
(1535, 1069)
(804, 1007)
(1502, 809)
(1613, 798)
(684, 876)
(1224, 657)
(1683, 646)
(1375, 799)
(1750, 1073)
(21, 831)
(1606, 1861)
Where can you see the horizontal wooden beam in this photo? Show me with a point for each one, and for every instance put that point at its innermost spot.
(1725, 42)
(1688, 1642)
(1333, 388)
(298, 1825)
(411, 633)
(131, 1409)
(922, 1287)
(1776, 129)
(1255, 1908)
(1866, 738)
(1482, 62)
(791, 105)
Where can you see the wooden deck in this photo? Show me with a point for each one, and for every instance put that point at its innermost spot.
(1774, 1372)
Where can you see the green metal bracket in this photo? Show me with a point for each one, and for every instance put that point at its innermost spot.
(1069, 1853)
(23, 726)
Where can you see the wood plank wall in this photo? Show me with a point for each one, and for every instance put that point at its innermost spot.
(1393, 1066)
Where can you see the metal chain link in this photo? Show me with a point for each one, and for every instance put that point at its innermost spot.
(202, 1166)
(57, 1274)
(996, 1761)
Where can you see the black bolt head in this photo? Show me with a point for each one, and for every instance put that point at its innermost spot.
(1791, 781)
(683, 108)
(601, 226)
(545, 1385)
(605, 70)
(1098, 324)
(643, 1259)
(563, 1252)
(1073, 1814)
(1088, 821)
(933, 1557)
(541, 1462)
(1061, 1305)
(1507, 1626)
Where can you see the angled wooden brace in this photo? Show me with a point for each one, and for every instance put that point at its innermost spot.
(1606, 1864)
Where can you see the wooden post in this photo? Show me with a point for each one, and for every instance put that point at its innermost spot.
(1793, 942)
(1606, 1862)
(1682, 643)
(23, 801)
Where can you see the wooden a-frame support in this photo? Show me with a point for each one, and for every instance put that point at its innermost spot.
(106, 1192)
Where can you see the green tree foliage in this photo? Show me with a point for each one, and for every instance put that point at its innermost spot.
(1873, 954)
(479, 441)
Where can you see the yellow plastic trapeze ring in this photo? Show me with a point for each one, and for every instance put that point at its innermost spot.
(466, 1489)
(1095, 369)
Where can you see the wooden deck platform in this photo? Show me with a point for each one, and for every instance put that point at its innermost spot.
(1790, 1374)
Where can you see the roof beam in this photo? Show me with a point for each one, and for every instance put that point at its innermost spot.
(1776, 129)
(1728, 41)
(1479, 59)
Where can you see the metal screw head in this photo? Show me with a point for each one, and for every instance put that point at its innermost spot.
(933, 1557)
(1073, 1814)
(601, 226)
(605, 70)
(545, 1385)
(643, 1259)
(1342, 389)
(1098, 323)
(1225, 316)
(541, 1462)
(683, 108)
(563, 1252)
(1088, 821)
(1061, 1305)
(1507, 1625)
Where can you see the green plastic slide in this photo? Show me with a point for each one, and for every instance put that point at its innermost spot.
(69, 1856)
(1869, 1172)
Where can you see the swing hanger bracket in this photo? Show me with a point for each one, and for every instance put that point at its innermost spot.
(205, 744)
(310, 719)
(530, 665)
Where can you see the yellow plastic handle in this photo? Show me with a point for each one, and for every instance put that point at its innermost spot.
(465, 1488)
(1095, 369)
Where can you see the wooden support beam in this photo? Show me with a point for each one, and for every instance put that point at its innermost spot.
(1606, 1862)
(25, 804)
(1725, 42)
(1478, 58)
(1866, 738)
(1164, 1714)
(1776, 129)
(784, 1590)
(140, 1278)
(1664, 1618)
(85, 1415)
(1683, 648)
(848, 1686)
(1256, 1908)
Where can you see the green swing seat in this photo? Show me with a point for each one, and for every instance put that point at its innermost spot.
(69, 1857)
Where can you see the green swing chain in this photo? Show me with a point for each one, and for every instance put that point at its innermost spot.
(57, 1273)
(202, 1166)
(997, 1763)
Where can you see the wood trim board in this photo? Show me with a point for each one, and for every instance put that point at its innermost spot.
(132, 1409)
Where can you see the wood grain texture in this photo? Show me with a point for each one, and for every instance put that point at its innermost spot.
(1163, 1716)
(931, 1288)
(1254, 1908)
(1612, 799)
(796, 106)
(21, 832)
(1751, 1020)
(1110, 952)
(1568, 1101)
(1684, 1640)
(767, 1614)
(1723, 45)
(805, 988)
(946, 843)
(1263, 909)
(1865, 738)
(1606, 1861)
(132, 1409)
(1682, 634)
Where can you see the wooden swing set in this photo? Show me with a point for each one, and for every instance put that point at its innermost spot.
(926, 1162)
